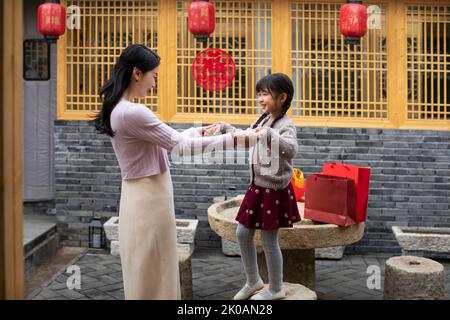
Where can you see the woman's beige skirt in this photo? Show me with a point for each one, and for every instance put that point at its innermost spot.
(148, 239)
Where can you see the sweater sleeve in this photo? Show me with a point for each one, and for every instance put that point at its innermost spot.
(193, 132)
(287, 137)
(226, 127)
(142, 123)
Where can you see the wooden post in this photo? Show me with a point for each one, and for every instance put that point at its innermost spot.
(281, 38)
(11, 212)
(397, 77)
(167, 48)
(61, 76)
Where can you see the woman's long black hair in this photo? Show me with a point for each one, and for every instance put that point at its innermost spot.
(276, 84)
(135, 55)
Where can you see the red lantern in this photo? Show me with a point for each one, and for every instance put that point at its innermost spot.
(353, 21)
(201, 19)
(51, 20)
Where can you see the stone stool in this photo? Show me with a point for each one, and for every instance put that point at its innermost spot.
(298, 267)
(413, 278)
(295, 291)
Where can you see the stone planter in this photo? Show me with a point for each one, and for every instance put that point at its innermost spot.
(186, 229)
(111, 228)
(115, 248)
(419, 240)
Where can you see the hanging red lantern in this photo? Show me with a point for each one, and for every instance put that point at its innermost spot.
(353, 21)
(201, 19)
(51, 20)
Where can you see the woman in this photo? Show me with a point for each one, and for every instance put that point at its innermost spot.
(147, 230)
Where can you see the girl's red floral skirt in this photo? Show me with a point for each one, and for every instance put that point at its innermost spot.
(268, 209)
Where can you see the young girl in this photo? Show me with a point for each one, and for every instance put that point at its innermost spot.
(269, 203)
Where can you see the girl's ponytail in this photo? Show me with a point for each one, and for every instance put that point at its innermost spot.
(262, 117)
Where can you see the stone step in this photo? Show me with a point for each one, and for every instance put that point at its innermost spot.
(41, 241)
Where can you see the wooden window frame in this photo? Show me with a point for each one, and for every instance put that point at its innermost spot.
(397, 71)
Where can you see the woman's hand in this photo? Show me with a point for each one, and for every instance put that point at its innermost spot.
(212, 129)
(206, 129)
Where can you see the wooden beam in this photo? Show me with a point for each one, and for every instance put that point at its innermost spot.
(281, 37)
(397, 71)
(11, 212)
(167, 49)
(61, 76)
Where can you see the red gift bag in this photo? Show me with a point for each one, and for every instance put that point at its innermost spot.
(330, 199)
(361, 176)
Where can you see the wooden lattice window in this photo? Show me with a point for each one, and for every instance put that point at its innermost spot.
(332, 79)
(243, 30)
(397, 78)
(428, 29)
(106, 28)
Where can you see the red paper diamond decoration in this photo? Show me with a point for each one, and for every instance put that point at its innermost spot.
(213, 69)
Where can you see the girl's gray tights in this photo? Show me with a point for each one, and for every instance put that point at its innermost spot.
(272, 252)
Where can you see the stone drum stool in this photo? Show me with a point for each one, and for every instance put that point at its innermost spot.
(413, 278)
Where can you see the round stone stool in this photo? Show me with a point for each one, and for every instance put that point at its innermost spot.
(413, 278)
(295, 291)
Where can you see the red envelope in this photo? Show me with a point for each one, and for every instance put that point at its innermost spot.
(361, 176)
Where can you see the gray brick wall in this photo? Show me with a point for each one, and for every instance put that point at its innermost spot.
(410, 182)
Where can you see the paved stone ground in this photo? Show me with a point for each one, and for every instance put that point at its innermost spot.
(216, 276)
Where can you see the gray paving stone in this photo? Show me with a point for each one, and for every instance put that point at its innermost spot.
(47, 293)
(57, 286)
(118, 294)
(70, 294)
(111, 287)
(96, 294)
(216, 276)
(92, 285)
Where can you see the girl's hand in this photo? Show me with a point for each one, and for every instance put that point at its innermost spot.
(249, 136)
(212, 129)
(260, 132)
